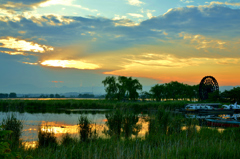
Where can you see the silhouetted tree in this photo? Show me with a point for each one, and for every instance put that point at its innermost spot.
(174, 90)
(111, 87)
(145, 95)
(158, 91)
(214, 96)
(12, 95)
(43, 96)
(57, 96)
(121, 88)
(133, 85)
(232, 95)
(3, 95)
(86, 95)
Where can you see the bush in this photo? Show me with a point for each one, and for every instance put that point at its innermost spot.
(5, 151)
(16, 126)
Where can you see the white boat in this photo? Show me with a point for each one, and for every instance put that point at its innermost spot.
(196, 107)
(195, 116)
(232, 106)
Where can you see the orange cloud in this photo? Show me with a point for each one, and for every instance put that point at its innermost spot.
(57, 81)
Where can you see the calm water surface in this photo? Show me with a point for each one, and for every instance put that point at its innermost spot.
(60, 124)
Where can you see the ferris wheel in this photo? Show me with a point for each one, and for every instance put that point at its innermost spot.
(207, 85)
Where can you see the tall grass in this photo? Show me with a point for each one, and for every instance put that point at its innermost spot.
(86, 130)
(158, 122)
(15, 125)
(206, 143)
(68, 140)
(36, 106)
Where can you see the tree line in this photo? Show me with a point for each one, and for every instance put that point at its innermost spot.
(10, 95)
(174, 91)
(85, 95)
(123, 88)
(126, 88)
(14, 95)
(231, 96)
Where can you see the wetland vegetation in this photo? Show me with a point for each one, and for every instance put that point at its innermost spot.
(42, 106)
(169, 135)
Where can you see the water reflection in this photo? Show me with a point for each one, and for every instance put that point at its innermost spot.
(202, 117)
(61, 124)
(199, 116)
(64, 123)
(51, 99)
(30, 144)
(206, 116)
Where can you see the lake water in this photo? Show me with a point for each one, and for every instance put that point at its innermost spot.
(61, 124)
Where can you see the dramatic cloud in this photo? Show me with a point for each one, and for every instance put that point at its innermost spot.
(20, 5)
(65, 3)
(54, 20)
(225, 3)
(186, 1)
(202, 42)
(69, 64)
(181, 40)
(23, 5)
(22, 45)
(162, 60)
(135, 15)
(135, 2)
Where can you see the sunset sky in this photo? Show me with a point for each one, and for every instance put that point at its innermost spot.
(46, 45)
